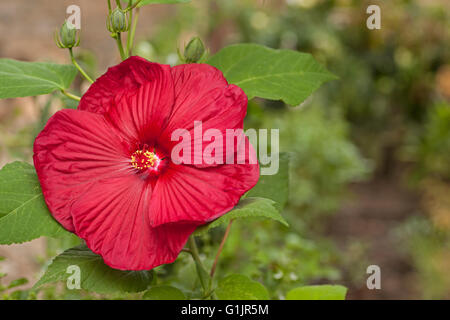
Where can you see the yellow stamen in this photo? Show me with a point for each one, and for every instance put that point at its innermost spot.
(142, 160)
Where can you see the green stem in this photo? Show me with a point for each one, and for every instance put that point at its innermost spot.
(109, 6)
(120, 46)
(75, 63)
(133, 6)
(219, 251)
(69, 95)
(130, 19)
(132, 32)
(203, 275)
(119, 4)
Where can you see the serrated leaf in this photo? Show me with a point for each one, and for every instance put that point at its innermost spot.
(272, 74)
(319, 292)
(95, 275)
(24, 79)
(274, 187)
(24, 216)
(246, 208)
(240, 287)
(146, 2)
(164, 293)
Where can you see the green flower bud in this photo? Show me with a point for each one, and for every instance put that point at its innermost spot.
(194, 51)
(118, 21)
(68, 36)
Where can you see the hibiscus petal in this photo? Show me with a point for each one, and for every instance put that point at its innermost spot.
(113, 219)
(142, 115)
(74, 151)
(122, 79)
(203, 94)
(190, 194)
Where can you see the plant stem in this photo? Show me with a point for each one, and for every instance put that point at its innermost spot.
(203, 275)
(120, 46)
(130, 19)
(109, 6)
(119, 4)
(130, 39)
(75, 63)
(69, 95)
(219, 251)
(134, 5)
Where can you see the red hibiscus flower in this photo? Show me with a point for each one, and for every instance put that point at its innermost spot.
(106, 169)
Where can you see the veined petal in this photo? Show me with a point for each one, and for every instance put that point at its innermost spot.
(113, 219)
(124, 78)
(191, 194)
(76, 150)
(141, 116)
(203, 95)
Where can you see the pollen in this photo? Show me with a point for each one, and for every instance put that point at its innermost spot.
(144, 159)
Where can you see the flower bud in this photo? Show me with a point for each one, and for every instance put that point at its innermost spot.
(194, 51)
(118, 21)
(68, 36)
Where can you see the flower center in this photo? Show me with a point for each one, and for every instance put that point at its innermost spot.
(144, 159)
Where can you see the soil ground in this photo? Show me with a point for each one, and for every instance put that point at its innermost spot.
(371, 216)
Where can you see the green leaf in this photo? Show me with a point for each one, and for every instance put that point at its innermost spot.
(95, 275)
(23, 79)
(145, 2)
(19, 295)
(24, 216)
(164, 293)
(246, 208)
(274, 187)
(319, 292)
(263, 72)
(240, 287)
(17, 283)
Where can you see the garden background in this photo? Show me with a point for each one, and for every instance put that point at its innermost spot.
(370, 152)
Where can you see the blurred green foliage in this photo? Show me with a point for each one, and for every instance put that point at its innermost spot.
(429, 248)
(430, 146)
